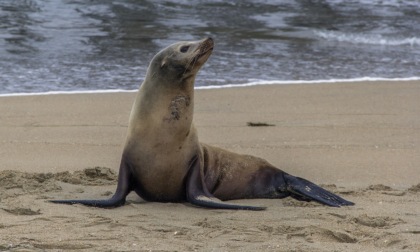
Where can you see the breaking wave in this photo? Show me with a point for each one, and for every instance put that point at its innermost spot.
(369, 39)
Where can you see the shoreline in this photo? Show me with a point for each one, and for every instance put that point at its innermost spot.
(360, 140)
(249, 84)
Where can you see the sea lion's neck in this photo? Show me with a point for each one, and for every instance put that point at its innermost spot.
(166, 102)
(160, 85)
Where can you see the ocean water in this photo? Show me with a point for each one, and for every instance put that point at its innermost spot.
(77, 46)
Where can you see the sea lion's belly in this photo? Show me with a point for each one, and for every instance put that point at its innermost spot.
(159, 167)
(162, 180)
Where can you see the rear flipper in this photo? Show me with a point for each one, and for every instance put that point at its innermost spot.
(123, 188)
(304, 190)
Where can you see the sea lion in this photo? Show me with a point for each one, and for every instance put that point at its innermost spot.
(164, 161)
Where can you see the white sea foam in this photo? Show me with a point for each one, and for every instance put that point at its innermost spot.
(370, 39)
(248, 84)
(289, 82)
(70, 92)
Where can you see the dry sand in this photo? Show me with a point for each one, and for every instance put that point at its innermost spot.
(360, 140)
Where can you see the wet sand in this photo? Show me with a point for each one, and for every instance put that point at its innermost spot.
(360, 140)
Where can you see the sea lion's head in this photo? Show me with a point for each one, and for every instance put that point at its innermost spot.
(181, 61)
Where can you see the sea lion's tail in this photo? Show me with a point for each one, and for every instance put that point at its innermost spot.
(304, 190)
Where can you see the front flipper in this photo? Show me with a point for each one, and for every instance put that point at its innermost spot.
(118, 199)
(302, 189)
(199, 195)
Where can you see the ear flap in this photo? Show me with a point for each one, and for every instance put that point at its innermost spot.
(164, 62)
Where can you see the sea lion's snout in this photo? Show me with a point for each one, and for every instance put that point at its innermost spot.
(204, 49)
(209, 41)
(207, 45)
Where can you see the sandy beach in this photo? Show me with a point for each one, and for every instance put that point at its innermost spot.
(360, 140)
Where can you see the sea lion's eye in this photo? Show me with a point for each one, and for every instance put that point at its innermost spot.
(184, 49)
